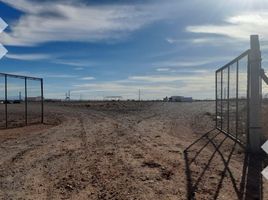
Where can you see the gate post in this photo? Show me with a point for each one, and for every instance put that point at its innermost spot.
(255, 95)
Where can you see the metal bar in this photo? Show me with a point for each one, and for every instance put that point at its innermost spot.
(20, 76)
(6, 116)
(26, 102)
(234, 60)
(248, 101)
(255, 90)
(237, 111)
(42, 101)
(228, 101)
(216, 99)
(233, 138)
(221, 99)
(263, 76)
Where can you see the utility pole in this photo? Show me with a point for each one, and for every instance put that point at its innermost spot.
(69, 94)
(139, 95)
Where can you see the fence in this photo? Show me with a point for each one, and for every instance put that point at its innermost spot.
(238, 97)
(232, 98)
(21, 100)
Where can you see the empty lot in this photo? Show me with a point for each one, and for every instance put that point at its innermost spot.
(122, 150)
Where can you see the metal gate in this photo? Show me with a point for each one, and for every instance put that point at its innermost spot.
(232, 92)
(238, 97)
(21, 100)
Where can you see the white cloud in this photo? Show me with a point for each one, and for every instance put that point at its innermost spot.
(189, 62)
(155, 78)
(88, 78)
(162, 69)
(213, 41)
(239, 26)
(78, 68)
(169, 78)
(59, 76)
(172, 40)
(28, 57)
(75, 63)
(75, 21)
(152, 87)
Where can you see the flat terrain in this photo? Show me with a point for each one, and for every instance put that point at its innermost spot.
(125, 151)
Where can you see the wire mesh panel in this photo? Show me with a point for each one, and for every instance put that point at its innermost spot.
(34, 101)
(265, 110)
(15, 103)
(21, 100)
(242, 99)
(232, 98)
(218, 100)
(225, 99)
(233, 69)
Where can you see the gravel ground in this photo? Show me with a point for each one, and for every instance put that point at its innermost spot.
(124, 151)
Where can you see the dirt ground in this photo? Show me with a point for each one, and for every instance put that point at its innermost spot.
(16, 114)
(126, 151)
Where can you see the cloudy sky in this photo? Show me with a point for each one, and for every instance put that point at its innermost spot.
(98, 48)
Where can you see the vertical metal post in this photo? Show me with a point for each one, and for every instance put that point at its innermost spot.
(228, 100)
(237, 99)
(216, 97)
(255, 95)
(221, 99)
(248, 101)
(6, 101)
(26, 102)
(42, 101)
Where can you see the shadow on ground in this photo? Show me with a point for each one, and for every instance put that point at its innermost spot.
(214, 169)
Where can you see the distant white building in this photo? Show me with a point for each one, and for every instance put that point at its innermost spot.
(180, 99)
(112, 98)
(34, 99)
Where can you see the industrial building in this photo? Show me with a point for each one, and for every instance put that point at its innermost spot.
(178, 99)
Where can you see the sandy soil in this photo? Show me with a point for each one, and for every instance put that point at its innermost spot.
(16, 114)
(124, 151)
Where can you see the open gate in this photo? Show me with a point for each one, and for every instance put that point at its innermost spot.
(238, 97)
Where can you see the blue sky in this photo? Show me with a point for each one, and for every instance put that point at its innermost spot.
(101, 48)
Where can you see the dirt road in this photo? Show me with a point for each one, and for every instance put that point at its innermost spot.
(121, 150)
